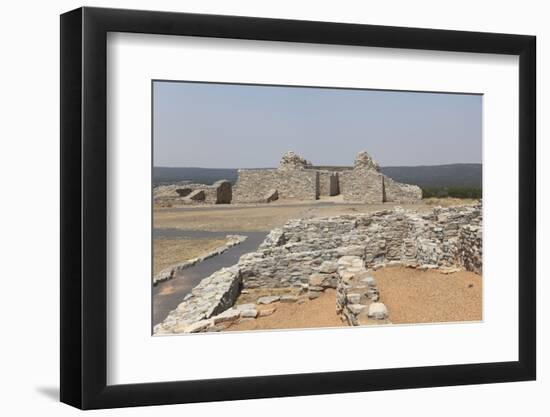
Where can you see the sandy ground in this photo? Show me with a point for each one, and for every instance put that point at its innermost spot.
(169, 252)
(320, 312)
(414, 296)
(411, 296)
(265, 217)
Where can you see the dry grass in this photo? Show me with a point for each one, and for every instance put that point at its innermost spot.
(168, 252)
(414, 296)
(448, 201)
(268, 216)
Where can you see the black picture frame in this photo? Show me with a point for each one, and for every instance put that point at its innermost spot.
(84, 207)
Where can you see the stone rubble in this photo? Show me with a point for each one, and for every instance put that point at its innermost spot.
(338, 252)
(218, 193)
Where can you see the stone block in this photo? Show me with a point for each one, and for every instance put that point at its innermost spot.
(378, 311)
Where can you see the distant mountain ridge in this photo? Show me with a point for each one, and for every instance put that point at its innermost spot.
(449, 175)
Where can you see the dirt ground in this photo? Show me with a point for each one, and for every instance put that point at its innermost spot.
(168, 252)
(265, 217)
(320, 312)
(411, 296)
(414, 296)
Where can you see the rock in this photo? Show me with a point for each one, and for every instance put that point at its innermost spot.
(267, 312)
(364, 161)
(356, 308)
(228, 315)
(328, 267)
(312, 295)
(354, 298)
(271, 195)
(318, 280)
(351, 251)
(370, 281)
(242, 307)
(198, 326)
(426, 267)
(378, 311)
(289, 299)
(448, 271)
(197, 195)
(291, 160)
(250, 313)
(268, 299)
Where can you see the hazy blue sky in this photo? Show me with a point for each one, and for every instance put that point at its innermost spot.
(241, 126)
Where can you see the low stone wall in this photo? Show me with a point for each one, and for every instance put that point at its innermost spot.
(291, 254)
(171, 271)
(254, 185)
(357, 299)
(218, 193)
(306, 253)
(211, 297)
(470, 242)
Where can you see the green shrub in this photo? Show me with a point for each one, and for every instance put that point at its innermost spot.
(454, 192)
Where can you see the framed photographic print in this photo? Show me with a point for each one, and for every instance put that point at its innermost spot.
(257, 207)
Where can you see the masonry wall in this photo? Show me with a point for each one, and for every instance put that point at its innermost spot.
(397, 192)
(254, 185)
(443, 237)
(362, 185)
(218, 193)
(290, 255)
(328, 183)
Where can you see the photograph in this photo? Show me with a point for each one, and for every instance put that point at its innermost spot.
(280, 207)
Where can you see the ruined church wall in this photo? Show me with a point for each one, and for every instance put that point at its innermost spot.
(361, 185)
(328, 183)
(254, 184)
(397, 192)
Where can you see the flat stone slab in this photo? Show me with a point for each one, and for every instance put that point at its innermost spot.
(250, 313)
(228, 315)
(267, 312)
(268, 299)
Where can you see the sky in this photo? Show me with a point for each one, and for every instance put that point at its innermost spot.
(250, 126)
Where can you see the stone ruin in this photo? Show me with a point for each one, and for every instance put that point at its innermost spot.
(218, 193)
(336, 252)
(297, 179)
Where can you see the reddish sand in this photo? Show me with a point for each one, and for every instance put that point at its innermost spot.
(414, 296)
(320, 312)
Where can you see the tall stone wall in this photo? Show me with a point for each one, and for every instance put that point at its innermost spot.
(254, 185)
(328, 183)
(362, 185)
